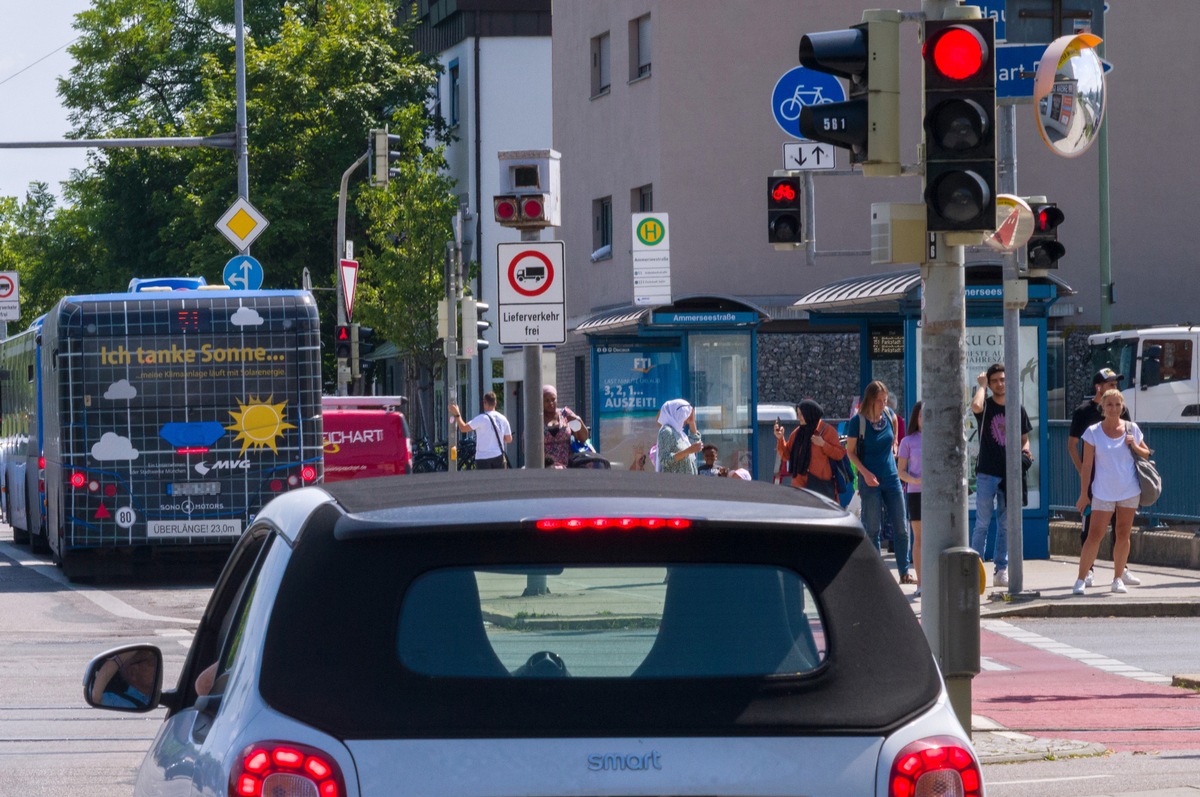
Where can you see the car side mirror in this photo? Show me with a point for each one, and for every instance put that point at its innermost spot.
(125, 679)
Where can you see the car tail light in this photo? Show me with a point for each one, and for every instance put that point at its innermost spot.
(940, 766)
(278, 769)
(611, 523)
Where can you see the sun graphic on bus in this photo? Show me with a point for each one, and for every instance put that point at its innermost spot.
(259, 424)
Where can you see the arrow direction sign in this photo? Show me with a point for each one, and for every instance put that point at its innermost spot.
(243, 273)
(348, 274)
(808, 156)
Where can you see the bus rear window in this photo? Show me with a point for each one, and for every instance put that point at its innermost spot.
(683, 621)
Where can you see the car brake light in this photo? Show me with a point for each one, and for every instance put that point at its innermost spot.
(940, 766)
(296, 770)
(605, 523)
(308, 473)
(78, 479)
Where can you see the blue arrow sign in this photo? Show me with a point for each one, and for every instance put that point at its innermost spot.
(800, 86)
(243, 273)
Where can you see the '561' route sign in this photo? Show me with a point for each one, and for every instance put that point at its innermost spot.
(530, 290)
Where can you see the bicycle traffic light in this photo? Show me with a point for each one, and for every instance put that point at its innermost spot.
(1043, 249)
(868, 124)
(784, 210)
(341, 341)
(960, 125)
(382, 156)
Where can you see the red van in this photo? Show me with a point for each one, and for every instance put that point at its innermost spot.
(365, 436)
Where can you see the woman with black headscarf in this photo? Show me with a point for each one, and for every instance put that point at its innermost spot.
(808, 451)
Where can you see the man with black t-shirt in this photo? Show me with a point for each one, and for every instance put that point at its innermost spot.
(990, 468)
(1085, 415)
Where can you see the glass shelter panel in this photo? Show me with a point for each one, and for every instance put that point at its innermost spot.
(719, 367)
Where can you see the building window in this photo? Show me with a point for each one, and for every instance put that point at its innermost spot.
(454, 94)
(601, 64)
(639, 47)
(602, 228)
(641, 199)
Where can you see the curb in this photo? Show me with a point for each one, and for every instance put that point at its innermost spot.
(1091, 607)
(996, 745)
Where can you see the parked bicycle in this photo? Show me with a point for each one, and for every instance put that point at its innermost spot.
(432, 458)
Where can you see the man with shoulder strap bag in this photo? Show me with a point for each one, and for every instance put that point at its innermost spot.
(492, 434)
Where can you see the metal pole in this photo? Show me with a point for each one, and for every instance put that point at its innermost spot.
(535, 440)
(1007, 141)
(452, 351)
(338, 254)
(943, 377)
(240, 78)
(1103, 220)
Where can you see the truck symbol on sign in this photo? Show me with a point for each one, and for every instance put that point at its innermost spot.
(535, 273)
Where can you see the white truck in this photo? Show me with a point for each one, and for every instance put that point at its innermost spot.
(1161, 368)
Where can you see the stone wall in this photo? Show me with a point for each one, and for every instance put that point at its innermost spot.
(822, 366)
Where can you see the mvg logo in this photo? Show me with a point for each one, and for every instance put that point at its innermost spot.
(203, 468)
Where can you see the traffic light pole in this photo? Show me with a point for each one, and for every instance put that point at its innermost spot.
(944, 485)
(452, 351)
(343, 368)
(1015, 295)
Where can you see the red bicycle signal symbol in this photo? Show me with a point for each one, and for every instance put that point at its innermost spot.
(539, 274)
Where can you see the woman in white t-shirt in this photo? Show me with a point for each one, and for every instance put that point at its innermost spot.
(1109, 447)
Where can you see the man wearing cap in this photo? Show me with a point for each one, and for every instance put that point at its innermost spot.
(1085, 415)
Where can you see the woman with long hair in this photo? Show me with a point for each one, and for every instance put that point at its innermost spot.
(1109, 447)
(908, 464)
(871, 443)
(809, 449)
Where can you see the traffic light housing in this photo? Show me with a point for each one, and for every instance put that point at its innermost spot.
(1043, 249)
(366, 340)
(383, 156)
(341, 341)
(354, 354)
(784, 210)
(474, 326)
(960, 125)
(522, 210)
(868, 124)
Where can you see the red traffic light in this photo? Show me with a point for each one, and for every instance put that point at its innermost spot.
(532, 208)
(957, 52)
(342, 333)
(784, 193)
(1046, 219)
(506, 209)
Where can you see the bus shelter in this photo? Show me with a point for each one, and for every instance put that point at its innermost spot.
(700, 348)
(886, 308)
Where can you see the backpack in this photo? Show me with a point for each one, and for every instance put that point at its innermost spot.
(843, 480)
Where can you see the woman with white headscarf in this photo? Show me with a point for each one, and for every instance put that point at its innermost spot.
(676, 446)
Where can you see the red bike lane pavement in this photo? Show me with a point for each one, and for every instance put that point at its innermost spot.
(1047, 695)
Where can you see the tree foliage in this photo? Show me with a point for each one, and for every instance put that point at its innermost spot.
(319, 75)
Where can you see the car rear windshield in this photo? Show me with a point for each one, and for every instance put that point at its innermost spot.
(680, 621)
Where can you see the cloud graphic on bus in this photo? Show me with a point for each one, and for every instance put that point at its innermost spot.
(246, 317)
(112, 446)
(121, 389)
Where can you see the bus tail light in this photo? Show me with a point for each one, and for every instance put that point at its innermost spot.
(940, 766)
(78, 479)
(280, 768)
(308, 473)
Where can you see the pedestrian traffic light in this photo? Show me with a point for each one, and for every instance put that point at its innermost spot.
(1043, 249)
(960, 125)
(868, 124)
(383, 156)
(784, 210)
(474, 326)
(341, 341)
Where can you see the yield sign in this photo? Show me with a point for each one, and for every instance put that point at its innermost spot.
(348, 274)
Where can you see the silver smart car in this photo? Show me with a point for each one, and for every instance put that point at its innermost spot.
(550, 633)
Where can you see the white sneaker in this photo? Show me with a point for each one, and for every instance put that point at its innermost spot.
(1087, 582)
(1001, 578)
(917, 594)
(1130, 578)
(1118, 585)
(1079, 587)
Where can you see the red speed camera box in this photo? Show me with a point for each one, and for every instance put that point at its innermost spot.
(365, 436)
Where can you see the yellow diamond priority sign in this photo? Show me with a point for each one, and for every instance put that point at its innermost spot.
(242, 223)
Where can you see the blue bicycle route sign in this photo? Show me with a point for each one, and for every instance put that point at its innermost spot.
(800, 86)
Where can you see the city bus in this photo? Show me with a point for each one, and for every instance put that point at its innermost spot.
(21, 495)
(170, 417)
